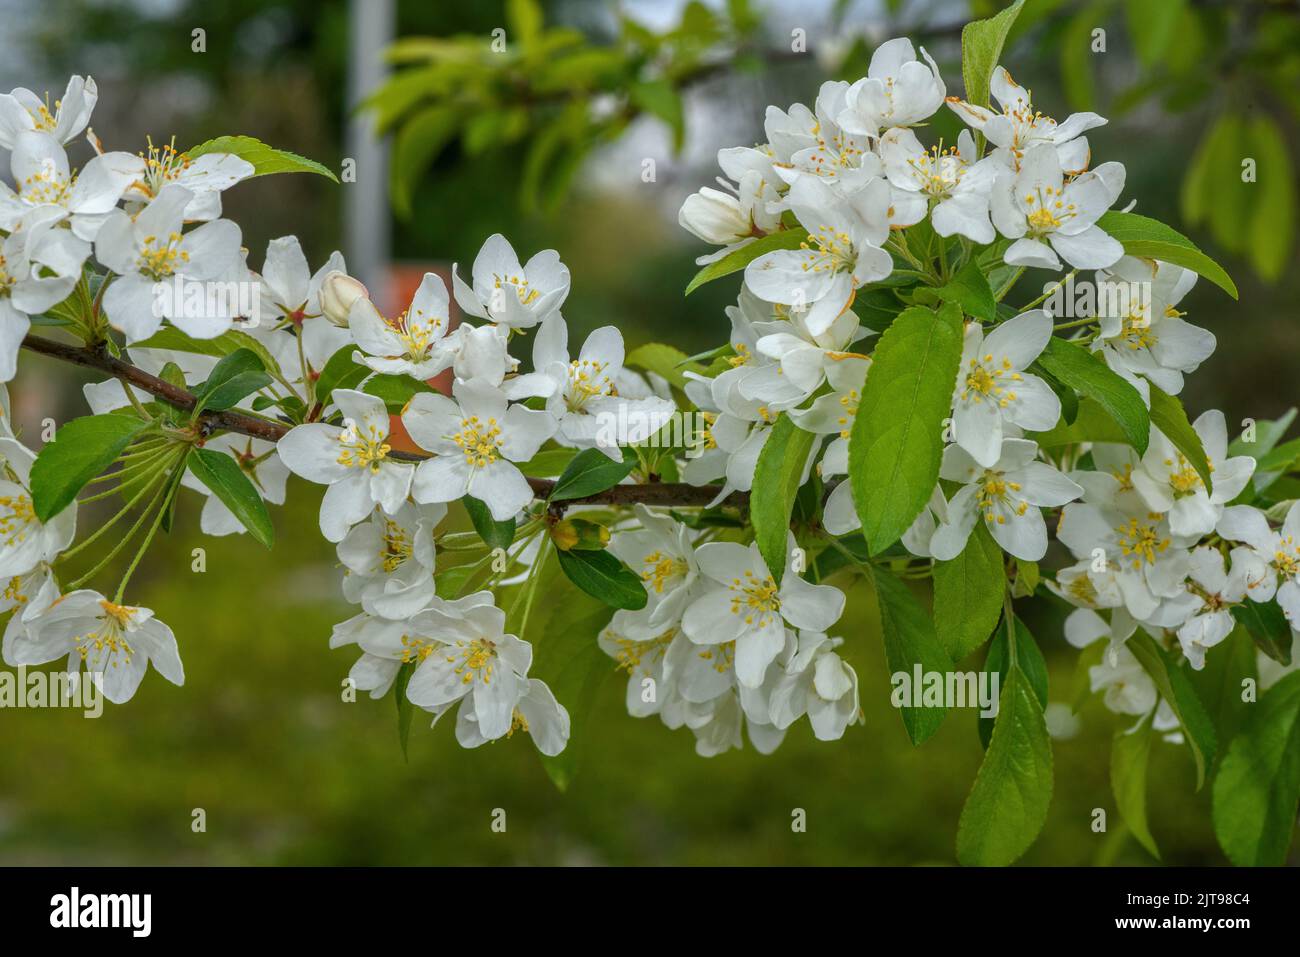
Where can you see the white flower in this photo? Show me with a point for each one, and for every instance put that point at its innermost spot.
(475, 439)
(584, 400)
(21, 111)
(26, 542)
(662, 553)
(338, 293)
(390, 560)
(819, 147)
(1168, 482)
(536, 712)
(1046, 215)
(641, 654)
(258, 460)
(505, 292)
(416, 342)
(43, 178)
(731, 218)
(302, 351)
(1150, 342)
(352, 460)
(804, 361)
(843, 251)
(205, 177)
(993, 388)
(149, 252)
(1018, 127)
(748, 607)
(474, 661)
(114, 642)
(819, 683)
(1212, 590)
(39, 266)
(1273, 557)
(1149, 562)
(898, 90)
(955, 180)
(1129, 689)
(289, 291)
(1007, 495)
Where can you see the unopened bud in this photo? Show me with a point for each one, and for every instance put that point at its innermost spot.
(338, 291)
(578, 533)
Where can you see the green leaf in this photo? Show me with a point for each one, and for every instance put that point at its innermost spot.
(776, 482)
(981, 48)
(1151, 27)
(571, 663)
(662, 360)
(896, 441)
(395, 390)
(79, 451)
(265, 159)
(742, 257)
(1168, 416)
(968, 594)
(1258, 784)
(1268, 432)
(1175, 687)
(235, 377)
(417, 144)
(495, 534)
(603, 576)
(1150, 239)
(1079, 369)
(405, 710)
(227, 481)
(1220, 687)
(910, 640)
(1268, 628)
(589, 472)
(1130, 752)
(547, 463)
(1029, 660)
(1091, 423)
(660, 99)
(969, 289)
(1272, 224)
(341, 372)
(1008, 803)
(173, 339)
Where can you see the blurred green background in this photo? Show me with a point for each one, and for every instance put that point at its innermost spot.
(259, 737)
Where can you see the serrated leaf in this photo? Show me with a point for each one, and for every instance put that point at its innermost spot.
(589, 472)
(910, 640)
(1151, 239)
(236, 376)
(395, 390)
(266, 160)
(1268, 628)
(495, 534)
(981, 48)
(968, 594)
(341, 372)
(1130, 752)
(776, 482)
(603, 576)
(1168, 416)
(173, 339)
(896, 441)
(1028, 658)
(227, 481)
(1258, 785)
(740, 258)
(969, 289)
(547, 463)
(1082, 371)
(1008, 802)
(662, 360)
(1175, 687)
(80, 450)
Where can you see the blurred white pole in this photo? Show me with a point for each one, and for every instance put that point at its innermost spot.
(366, 220)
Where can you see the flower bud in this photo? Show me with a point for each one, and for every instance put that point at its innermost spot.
(338, 291)
(715, 216)
(578, 533)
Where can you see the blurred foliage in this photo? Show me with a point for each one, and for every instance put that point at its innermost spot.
(549, 88)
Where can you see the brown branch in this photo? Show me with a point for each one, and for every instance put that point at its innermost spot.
(650, 493)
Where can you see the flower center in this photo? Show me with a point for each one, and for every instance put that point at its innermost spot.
(661, 568)
(631, 654)
(586, 379)
(754, 598)
(995, 498)
(416, 649)
(1048, 211)
(159, 259)
(834, 251)
(722, 656)
(17, 517)
(1141, 541)
(357, 451)
(849, 401)
(527, 295)
(397, 546)
(1286, 559)
(987, 380)
(475, 660)
(480, 443)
